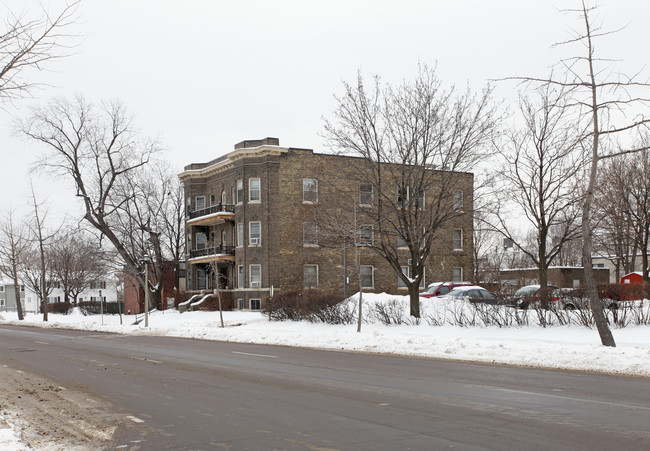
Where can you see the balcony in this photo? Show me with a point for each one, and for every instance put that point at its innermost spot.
(208, 254)
(216, 214)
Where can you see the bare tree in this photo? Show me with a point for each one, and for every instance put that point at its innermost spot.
(14, 248)
(602, 97)
(542, 163)
(29, 44)
(411, 140)
(76, 261)
(99, 149)
(640, 201)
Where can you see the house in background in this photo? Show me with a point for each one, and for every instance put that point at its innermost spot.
(560, 276)
(615, 271)
(632, 278)
(248, 228)
(8, 298)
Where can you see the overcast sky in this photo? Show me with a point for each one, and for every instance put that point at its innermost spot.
(204, 75)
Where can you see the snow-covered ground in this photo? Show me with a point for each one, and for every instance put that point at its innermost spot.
(570, 347)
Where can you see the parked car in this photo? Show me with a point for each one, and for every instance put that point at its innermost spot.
(441, 288)
(530, 297)
(474, 293)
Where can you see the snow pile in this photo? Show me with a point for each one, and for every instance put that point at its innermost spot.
(564, 347)
(8, 439)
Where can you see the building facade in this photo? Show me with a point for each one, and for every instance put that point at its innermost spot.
(249, 228)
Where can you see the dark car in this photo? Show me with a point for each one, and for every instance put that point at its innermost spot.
(441, 288)
(474, 293)
(530, 296)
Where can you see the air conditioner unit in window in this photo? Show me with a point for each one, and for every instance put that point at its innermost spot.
(409, 262)
(255, 284)
(255, 241)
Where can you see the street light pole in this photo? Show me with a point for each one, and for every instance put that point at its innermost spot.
(146, 294)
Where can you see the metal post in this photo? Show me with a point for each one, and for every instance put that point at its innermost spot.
(101, 303)
(345, 268)
(146, 294)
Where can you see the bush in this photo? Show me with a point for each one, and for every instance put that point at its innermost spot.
(310, 305)
(59, 307)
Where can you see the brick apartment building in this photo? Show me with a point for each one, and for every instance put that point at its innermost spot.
(248, 220)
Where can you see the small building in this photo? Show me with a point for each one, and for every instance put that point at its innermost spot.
(134, 294)
(632, 278)
(560, 276)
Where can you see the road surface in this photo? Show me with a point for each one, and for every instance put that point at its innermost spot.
(144, 392)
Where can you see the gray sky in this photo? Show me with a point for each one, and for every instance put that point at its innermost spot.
(203, 75)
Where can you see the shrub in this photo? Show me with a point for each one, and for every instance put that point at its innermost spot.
(310, 305)
(59, 307)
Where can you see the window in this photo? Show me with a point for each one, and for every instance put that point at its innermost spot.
(201, 279)
(421, 199)
(309, 190)
(240, 234)
(97, 298)
(2, 288)
(188, 203)
(199, 203)
(458, 240)
(367, 276)
(98, 284)
(402, 197)
(366, 195)
(366, 235)
(241, 283)
(310, 276)
(224, 198)
(254, 233)
(401, 242)
(240, 191)
(400, 283)
(232, 195)
(255, 276)
(458, 201)
(240, 304)
(256, 304)
(211, 200)
(309, 234)
(254, 194)
(457, 275)
(201, 239)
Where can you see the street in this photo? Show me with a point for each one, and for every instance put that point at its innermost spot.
(170, 393)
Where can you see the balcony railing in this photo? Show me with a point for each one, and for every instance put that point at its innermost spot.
(219, 208)
(215, 250)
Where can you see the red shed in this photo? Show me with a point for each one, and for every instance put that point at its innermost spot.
(633, 277)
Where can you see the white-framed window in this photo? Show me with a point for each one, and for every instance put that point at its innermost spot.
(254, 193)
(211, 200)
(98, 284)
(254, 233)
(367, 276)
(240, 304)
(310, 190)
(366, 195)
(400, 283)
(232, 195)
(366, 235)
(201, 240)
(240, 191)
(310, 276)
(199, 203)
(241, 281)
(457, 274)
(255, 276)
(2, 288)
(309, 234)
(240, 234)
(256, 304)
(457, 244)
(421, 200)
(458, 201)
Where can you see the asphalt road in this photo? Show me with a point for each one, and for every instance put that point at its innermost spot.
(192, 394)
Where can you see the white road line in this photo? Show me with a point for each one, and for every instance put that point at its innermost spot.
(256, 355)
(135, 419)
(572, 398)
(41, 342)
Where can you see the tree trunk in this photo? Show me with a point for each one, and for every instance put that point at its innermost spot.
(19, 306)
(414, 296)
